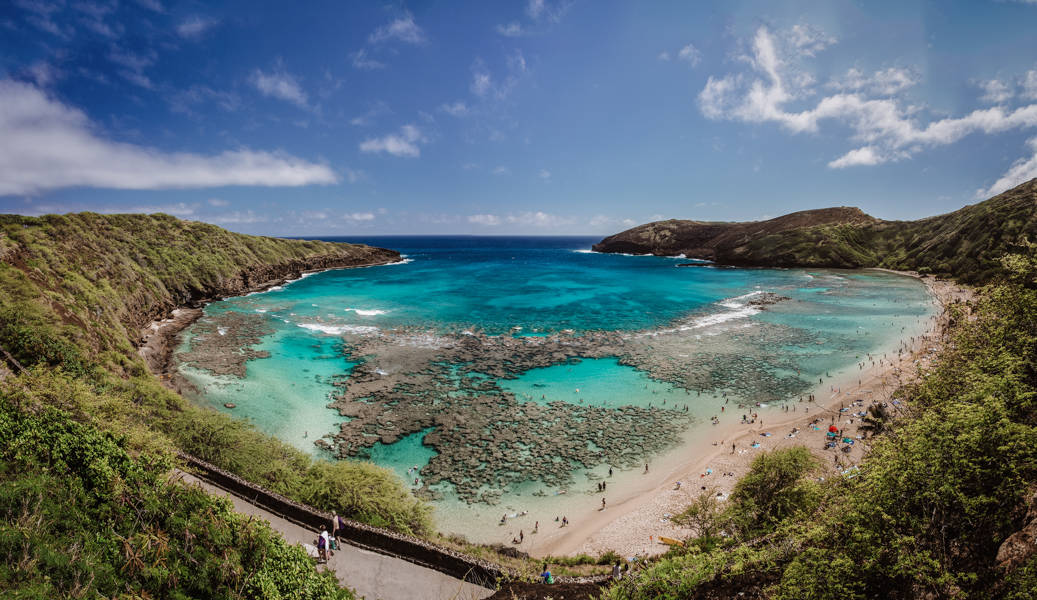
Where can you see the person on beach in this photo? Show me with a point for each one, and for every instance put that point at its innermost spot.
(565, 521)
(545, 576)
(617, 571)
(646, 467)
(602, 504)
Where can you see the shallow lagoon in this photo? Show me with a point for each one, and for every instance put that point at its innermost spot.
(518, 287)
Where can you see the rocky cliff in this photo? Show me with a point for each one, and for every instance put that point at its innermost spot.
(967, 243)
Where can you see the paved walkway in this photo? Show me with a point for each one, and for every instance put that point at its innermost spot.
(373, 576)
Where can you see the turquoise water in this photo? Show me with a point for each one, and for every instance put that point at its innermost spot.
(285, 395)
(597, 381)
(694, 320)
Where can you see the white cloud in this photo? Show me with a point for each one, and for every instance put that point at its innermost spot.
(544, 174)
(995, 91)
(807, 39)
(218, 202)
(457, 109)
(539, 219)
(377, 109)
(49, 145)
(236, 218)
(154, 5)
(183, 101)
(133, 65)
(501, 170)
(865, 156)
(402, 29)
(359, 216)
(664, 55)
(490, 220)
(405, 143)
(194, 27)
(536, 8)
(362, 61)
(690, 54)
(43, 73)
(513, 29)
(886, 82)
(281, 85)
(481, 83)
(1021, 171)
(484, 85)
(1029, 85)
(885, 130)
(550, 12)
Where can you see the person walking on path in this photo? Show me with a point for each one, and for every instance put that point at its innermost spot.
(322, 544)
(338, 527)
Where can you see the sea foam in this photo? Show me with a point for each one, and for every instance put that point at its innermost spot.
(339, 329)
(366, 312)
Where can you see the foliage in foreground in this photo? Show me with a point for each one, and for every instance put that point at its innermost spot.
(81, 518)
(929, 508)
(73, 291)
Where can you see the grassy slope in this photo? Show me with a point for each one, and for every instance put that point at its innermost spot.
(109, 275)
(81, 518)
(966, 244)
(74, 290)
(932, 502)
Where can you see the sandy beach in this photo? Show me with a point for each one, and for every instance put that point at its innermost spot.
(634, 526)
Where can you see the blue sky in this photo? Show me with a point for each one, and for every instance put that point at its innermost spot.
(528, 117)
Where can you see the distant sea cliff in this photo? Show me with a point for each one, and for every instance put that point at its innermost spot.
(966, 244)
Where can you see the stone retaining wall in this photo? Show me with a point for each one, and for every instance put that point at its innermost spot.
(375, 539)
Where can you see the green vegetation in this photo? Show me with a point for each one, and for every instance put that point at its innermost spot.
(76, 289)
(81, 518)
(928, 510)
(966, 244)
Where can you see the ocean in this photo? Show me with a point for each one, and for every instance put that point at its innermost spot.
(502, 375)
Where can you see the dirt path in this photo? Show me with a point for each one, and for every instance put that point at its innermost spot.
(373, 576)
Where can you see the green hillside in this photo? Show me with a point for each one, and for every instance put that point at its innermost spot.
(966, 244)
(943, 506)
(75, 291)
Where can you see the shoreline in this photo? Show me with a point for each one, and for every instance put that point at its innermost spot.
(160, 337)
(633, 526)
(628, 523)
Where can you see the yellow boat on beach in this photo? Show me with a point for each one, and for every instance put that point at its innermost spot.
(671, 541)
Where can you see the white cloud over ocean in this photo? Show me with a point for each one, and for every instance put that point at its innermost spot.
(50, 145)
(885, 127)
